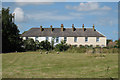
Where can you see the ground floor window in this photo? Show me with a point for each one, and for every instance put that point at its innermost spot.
(97, 39)
(57, 39)
(75, 39)
(26, 38)
(65, 39)
(86, 39)
(47, 38)
(36, 38)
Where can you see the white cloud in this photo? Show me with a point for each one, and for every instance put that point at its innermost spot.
(33, 3)
(34, 0)
(94, 13)
(49, 16)
(106, 21)
(19, 15)
(90, 6)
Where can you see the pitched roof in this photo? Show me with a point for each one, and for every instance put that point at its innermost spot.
(88, 32)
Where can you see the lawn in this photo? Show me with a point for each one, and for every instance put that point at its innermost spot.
(63, 65)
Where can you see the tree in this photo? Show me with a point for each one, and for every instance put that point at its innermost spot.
(52, 43)
(109, 40)
(11, 40)
(0, 32)
(117, 43)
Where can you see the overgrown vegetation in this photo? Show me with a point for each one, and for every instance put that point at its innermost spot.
(45, 45)
(61, 47)
(92, 50)
(29, 45)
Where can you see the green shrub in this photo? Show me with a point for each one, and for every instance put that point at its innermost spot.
(61, 47)
(37, 44)
(29, 45)
(45, 45)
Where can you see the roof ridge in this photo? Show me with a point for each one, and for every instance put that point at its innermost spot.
(64, 27)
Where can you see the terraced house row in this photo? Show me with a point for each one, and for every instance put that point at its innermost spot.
(72, 36)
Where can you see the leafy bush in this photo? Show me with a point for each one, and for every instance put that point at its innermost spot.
(29, 45)
(61, 47)
(37, 44)
(45, 45)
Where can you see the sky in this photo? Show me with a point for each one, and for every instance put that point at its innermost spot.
(104, 15)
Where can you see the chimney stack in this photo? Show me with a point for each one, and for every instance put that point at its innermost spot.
(93, 27)
(62, 27)
(51, 28)
(41, 28)
(73, 27)
(83, 27)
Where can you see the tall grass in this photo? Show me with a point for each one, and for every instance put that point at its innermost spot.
(92, 50)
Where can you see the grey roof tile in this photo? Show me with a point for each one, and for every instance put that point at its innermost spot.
(33, 32)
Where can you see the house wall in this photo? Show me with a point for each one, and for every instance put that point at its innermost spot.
(80, 40)
(91, 41)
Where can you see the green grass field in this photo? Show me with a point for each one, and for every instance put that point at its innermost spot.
(63, 65)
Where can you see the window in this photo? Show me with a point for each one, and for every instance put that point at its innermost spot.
(65, 39)
(75, 39)
(57, 39)
(97, 39)
(102, 45)
(36, 38)
(47, 38)
(26, 38)
(86, 39)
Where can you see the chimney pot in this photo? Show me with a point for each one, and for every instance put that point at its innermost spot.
(62, 27)
(40, 28)
(83, 27)
(72, 27)
(51, 28)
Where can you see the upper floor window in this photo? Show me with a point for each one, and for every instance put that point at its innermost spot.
(75, 39)
(57, 39)
(47, 38)
(65, 39)
(86, 39)
(97, 39)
